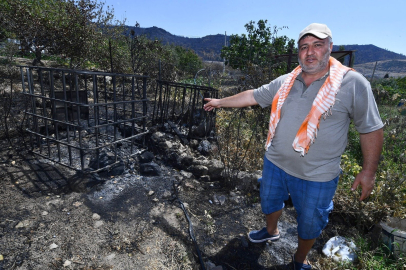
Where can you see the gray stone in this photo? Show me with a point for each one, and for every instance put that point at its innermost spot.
(216, 167)
(204, 147)
(167, 194)
(165, 145)
(219, 199)
(185, 174)
(158, 137)
(146, 157)
(205, 178)
(198, 170)
(150, 169)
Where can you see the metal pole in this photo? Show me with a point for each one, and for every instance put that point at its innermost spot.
(111, 56)
(373, 73)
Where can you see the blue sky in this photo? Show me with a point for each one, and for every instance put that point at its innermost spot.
(376, 22)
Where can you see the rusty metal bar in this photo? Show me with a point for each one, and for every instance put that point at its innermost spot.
(77, 119)
(181, 103)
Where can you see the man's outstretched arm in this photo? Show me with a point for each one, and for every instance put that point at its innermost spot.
(371, 146)
(243, 99)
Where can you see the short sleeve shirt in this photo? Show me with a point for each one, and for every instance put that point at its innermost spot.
(354, 101)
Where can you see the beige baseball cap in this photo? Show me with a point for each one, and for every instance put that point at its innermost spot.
(317, 29)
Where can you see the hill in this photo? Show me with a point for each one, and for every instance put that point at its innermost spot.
(209, 48)
(370, 53)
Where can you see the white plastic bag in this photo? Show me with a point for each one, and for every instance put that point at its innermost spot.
(340, 249)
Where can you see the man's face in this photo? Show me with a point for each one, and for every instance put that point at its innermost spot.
(314, 54)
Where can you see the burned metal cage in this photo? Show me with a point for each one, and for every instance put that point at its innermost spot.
(182, 106)
(87, 121)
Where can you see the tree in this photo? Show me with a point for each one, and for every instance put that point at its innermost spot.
(187, 60)
(257, 48)
(86, 25)
(61, 26)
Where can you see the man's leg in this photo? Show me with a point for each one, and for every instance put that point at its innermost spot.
(272, 222)
(303, 249)
(313, 203)
(268, 233)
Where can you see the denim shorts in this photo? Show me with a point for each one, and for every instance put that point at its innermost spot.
(312, 200)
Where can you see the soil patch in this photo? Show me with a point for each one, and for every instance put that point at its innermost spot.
(53, 218)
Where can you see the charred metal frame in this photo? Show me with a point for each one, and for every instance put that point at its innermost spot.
(76, 115)
(182, 104)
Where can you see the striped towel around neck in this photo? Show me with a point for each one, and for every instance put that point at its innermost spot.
(322, 105)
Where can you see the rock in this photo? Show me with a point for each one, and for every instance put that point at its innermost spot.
(111, 256)
(186, 159)
(117, 169)
(190, 185)
(53, 246)
(179, 158)
(96, 216)
(55, 202)
(44, 213)
(150, 169)
(158, 137)
(23, 224)
(204, 178)
(236, 199)
(219, 199)
(77, 204)
(151, 192)
(166, 145)
(98, 223)
(204, 147)
(210, 265)
(198, 170)
(216, 167)
(67, 263)
(194, 144)
(185, 174)
(146, 157)
(246, 180)
(201, 160)
(167, 194)
(106, 159)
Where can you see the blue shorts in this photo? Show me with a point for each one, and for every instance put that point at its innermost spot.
(312, 200)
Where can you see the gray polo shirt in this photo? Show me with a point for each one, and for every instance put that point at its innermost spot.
(322, 163)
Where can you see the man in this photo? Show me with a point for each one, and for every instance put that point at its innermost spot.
(311, 110)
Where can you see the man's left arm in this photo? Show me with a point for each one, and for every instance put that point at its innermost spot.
(371, 146)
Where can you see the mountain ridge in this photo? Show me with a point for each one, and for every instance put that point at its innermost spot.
(209, 47)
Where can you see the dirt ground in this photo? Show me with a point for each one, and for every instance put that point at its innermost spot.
(53, 218)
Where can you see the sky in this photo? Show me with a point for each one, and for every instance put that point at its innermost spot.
(377, 22)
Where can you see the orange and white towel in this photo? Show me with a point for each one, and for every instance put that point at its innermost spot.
(322, 105)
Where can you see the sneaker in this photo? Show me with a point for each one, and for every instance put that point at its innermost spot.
(262, 236)
(293, 265)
